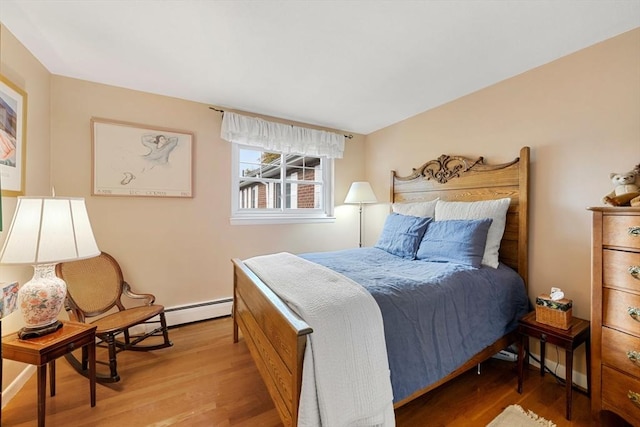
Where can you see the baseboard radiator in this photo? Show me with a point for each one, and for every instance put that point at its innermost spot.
(189, 313)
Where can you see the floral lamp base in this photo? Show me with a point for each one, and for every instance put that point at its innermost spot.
(40, 302)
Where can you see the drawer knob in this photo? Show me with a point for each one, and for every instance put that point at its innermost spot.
(634, 312)
(634, 231)
(634, 398)
(634, 271)
(633, 355)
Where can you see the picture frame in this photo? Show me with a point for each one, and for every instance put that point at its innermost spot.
(132, 159)
(8, 298)
(13, 137)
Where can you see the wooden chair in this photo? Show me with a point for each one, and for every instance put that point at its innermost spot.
(94, 288)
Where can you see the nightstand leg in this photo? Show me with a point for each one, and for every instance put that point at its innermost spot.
(42, 385)
(542, 355)
(91, 350)
(523, 359)
(52, 378)
(569, 380)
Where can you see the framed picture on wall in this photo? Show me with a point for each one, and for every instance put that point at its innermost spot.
(13, 137)
(131, 159)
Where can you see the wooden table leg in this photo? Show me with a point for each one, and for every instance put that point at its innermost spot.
(52, 377)
(569, 380)
(91, 350)
(523, 360)
(42, 385)
(543, 342)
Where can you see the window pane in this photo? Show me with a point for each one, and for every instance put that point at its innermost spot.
(259, 195)
(259, 164)
(301, 168)
(303, 196)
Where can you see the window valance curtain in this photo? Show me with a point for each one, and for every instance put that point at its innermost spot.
(266, 135)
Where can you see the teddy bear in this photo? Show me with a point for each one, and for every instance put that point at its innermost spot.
(626, 192)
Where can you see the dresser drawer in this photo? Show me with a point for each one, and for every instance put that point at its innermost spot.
(615, 311)
(623, 231)
(621, 350)
(619, 392)
(621, 269)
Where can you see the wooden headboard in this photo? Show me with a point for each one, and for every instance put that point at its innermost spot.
(456, 178)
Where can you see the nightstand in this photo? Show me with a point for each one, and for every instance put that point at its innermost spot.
(568, 339)
(46, 349)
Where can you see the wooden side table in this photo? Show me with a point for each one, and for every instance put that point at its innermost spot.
(569, 339)
(46, 349)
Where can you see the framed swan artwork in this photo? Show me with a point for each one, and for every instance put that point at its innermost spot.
(131, 159)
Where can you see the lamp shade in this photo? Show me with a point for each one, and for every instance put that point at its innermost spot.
(360, 192)
(49, 230)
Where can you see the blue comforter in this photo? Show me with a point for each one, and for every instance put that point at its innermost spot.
(436, 315)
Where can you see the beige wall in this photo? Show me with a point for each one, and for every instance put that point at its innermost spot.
(24, 71)
(581, 117)
(178, 248)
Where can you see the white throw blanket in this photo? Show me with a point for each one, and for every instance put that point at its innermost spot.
(346, 378)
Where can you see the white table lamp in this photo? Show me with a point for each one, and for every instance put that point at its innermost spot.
(360, 192)
(44, 232)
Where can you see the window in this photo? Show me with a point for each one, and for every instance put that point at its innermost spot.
(270, 183)
(273, 187)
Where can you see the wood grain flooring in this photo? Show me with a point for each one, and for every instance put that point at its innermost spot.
(206, 380)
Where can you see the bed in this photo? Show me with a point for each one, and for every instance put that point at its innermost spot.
(277, 337)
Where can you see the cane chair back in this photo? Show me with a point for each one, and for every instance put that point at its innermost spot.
(94, 285)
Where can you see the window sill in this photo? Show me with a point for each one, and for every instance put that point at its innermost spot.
(258, 220)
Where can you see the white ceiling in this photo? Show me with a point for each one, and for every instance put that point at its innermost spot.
(352, 65)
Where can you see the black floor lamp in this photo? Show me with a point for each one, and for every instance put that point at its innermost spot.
(360, 192)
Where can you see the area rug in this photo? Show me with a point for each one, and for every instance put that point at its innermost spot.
(515, 416)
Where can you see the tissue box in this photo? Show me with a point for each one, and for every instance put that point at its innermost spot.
(554, 313)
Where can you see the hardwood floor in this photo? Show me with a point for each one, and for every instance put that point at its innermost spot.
(206, 380)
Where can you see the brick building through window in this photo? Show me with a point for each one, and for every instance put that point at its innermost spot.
(265, 192)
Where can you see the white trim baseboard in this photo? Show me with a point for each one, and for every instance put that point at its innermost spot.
(14, 387)
(189, 313)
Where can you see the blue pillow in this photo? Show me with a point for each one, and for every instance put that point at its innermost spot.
(401, 234)
(457, 241)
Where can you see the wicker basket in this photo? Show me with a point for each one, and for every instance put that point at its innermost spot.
(554, 313)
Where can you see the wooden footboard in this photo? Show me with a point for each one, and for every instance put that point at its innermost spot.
(276, 338)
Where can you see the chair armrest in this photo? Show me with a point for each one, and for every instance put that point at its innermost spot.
(74, 314)
(126, 289)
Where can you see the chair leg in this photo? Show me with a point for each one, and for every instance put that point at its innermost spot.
(165, 330)
(135, 345)
(77, 365)
(110, 339)
(127, 339)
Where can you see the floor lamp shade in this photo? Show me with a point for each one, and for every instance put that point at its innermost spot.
(360, 192)
(44, 232)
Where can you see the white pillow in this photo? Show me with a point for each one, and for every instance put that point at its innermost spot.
(494, 209)
(425, 209)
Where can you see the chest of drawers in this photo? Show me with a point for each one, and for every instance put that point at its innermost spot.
(615, 313)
